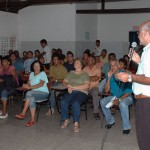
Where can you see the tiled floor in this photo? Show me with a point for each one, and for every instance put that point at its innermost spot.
(47, 135)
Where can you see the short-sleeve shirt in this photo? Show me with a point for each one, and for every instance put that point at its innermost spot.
(93, 72)
(36, 80)
(77, 79)
(104, 60)
(58, 72)
(47, 56)
(143, 69)
(118, 88)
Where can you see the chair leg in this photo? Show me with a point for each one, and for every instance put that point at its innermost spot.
(38, 111)
(86, 110)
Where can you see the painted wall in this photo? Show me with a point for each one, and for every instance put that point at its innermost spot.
(55, 23)
(113, 30)
(8, 29)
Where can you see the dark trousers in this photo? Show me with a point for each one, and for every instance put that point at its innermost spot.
(143, 123)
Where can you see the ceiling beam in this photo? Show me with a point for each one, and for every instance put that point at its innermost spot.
(114, 11)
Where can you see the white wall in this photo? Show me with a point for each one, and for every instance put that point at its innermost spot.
(86, 29)
(113, 29)
(55, 23)
(8, 28)
(8, 24)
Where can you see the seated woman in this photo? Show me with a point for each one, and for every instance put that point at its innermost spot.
(8, 82)
(37, 85)
(77, 83)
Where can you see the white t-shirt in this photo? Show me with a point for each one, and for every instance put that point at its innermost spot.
(97, 51)
(47, 56)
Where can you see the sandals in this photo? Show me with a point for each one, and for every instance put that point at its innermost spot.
(65, 124)
(30, 123)
(19, 116)
(76, 128)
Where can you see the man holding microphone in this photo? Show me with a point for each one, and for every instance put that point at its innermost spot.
(141, 87)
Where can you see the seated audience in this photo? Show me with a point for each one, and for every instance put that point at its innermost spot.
(105, 70)
(57, 74)
(69, 65)
(99, 63)
(104, 56)
(10, 52)
(42, 60)
(53, 51)
(95, 76)
(77, 83)
(38, 90)
(86, 54)
(16, 52)
(122, 92)
(123, 64)
(25, 55)
(8, 82)
(28, 62)
(17, 63)
(36, 54)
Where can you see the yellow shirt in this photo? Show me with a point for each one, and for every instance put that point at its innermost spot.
(93, 72)
(58, 72)
(104, 60)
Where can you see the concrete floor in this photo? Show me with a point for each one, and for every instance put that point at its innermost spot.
(47, 135)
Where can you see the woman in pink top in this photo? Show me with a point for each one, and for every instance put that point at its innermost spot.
(7, 83)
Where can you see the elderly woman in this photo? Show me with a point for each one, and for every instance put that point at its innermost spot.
(37, 85)
(77, 83)
(8, 82)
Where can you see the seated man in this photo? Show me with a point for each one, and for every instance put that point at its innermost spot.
(69, 65)
(95, 76)
(28, 62)
(122, 92)
(17, 63)
(105, 70)
(57, 74)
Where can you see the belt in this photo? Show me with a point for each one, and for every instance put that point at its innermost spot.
(140, 96)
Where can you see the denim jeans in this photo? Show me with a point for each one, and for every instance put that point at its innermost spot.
(124, 110)
(4, 94)
(52, 96)
(101, 85)
(76, 98)
(34, 96)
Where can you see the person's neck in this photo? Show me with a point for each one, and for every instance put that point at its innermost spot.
(103, 56)
(78, 70)
(91, 66)
(70, 62)
(36, 73)
(57, 65)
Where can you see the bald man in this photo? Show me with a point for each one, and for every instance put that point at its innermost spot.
(122, 92)
(141, 87)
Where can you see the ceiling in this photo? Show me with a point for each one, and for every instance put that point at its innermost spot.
(15, 5)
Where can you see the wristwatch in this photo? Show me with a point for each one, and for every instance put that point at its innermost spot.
(129, 78)
(119, 99)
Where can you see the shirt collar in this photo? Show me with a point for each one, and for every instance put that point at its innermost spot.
(146, 47)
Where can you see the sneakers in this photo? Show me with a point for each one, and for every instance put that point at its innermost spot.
(3, 116)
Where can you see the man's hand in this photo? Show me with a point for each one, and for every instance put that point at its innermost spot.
(116, 102)
(110, 73)
(122, 76)
(26, 87)
(94, 78)
(135, 57)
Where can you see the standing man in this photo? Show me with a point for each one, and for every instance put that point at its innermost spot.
(141, 87)
(97, 50)
(46, 53)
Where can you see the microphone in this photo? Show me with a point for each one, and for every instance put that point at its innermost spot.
(133, 45)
